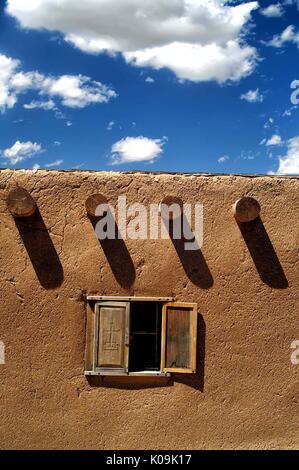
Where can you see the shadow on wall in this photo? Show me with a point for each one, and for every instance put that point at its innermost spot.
(41, 250)
(129, 382)
(193, 262)
(118, 256)
(195, 381)
(263, 254)
(121, 264)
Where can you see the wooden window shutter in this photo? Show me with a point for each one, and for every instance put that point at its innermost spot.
(111, 342)
(179, 337)
(89, 344)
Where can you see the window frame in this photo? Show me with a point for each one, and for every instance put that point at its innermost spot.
(92, 334)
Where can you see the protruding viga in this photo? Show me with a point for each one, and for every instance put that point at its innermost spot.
(20, 203)
(246, 209)
(92, 202)
(166, 204)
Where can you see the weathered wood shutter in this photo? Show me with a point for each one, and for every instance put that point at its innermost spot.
(179, 337)
(90, 333)
(108, 337)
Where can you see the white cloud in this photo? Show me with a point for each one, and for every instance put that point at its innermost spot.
(8, 67)
(36, 166)
(273, 11)
(53, 164)
(110, 125)
(149, 80)
(289, 35)
(269, 123)
(289, 163)
(292, 2)
(136, 149)
(288, 111)
(21, 151)
(77, 167)
(197, 39)
(253, 96)
(223, 159)
(76, 91)
(249, 155)
(274, 140)
(196, 62)
(21, 81)
(57, 143)
(46, 105)
(73, 91)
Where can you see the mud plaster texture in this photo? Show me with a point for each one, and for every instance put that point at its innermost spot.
(245, 281)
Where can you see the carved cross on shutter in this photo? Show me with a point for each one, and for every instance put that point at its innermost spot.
(111, 343)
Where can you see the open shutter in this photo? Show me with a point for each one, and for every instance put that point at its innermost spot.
(179, 336)
(111, 345)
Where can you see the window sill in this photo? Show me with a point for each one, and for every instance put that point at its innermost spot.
(144, 373)
(105, 298)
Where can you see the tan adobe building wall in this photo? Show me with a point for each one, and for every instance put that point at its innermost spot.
(244, 280)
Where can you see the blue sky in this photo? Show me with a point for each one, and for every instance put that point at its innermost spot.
(198, 87)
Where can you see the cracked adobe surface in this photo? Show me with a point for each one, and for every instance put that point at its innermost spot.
(245, 282)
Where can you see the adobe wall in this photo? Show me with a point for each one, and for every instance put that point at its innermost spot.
(245, 394)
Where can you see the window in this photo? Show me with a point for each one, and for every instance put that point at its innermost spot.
(140, 336)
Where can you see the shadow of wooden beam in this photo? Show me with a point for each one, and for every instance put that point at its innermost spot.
(263, 254)
(40, 249)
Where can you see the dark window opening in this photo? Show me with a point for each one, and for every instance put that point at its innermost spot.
(145, 336)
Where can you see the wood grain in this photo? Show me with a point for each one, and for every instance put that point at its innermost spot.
(111, 337)
(20, 203)
(246, 209)
(179, 337)
(92, 202)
